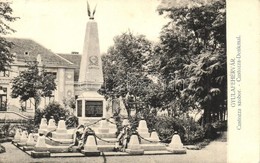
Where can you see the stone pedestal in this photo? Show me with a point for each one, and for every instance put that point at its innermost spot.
(133, 146)
(90, 107)
(176, 145)
(90, 148)
(142, 129)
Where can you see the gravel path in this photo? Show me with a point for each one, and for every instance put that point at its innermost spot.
(215, 152)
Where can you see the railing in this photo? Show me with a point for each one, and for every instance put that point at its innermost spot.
(7, 117)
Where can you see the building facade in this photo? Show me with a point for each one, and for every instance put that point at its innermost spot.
(64, 67)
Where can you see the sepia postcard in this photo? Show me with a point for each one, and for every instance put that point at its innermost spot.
(111, 81)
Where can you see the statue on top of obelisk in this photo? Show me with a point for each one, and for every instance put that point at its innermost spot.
(89, 11)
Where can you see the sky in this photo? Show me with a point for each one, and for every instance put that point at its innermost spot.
(59, 25)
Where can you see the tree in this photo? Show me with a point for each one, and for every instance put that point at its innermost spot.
(192, 54)
(124, 67)
(34, 83)
(5, 17)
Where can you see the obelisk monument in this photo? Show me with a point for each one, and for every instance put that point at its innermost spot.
(90, 104)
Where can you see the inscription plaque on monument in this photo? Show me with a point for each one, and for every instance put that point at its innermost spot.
(93, 108)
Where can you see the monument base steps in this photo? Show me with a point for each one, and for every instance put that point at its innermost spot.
(31, 144)
(145, 135)
(43, 131)
(56, 135)
(40, 149)
(153, 147)
(149, 142)
(106, 135)
(75, 153)
(135, 151)
(51, 129)
(103, 130)
(58, 149)
(106, 148)
(111, 141)
(59, 142)
(90, 121)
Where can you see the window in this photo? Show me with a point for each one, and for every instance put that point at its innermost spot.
(4, 73)
(53, 73)
(26, 53)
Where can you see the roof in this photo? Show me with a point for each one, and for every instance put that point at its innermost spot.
(28, 50)
(75, 59)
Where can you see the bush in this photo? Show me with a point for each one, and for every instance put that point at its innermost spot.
(53, 109)
(220, 125)
(210, 132)
(166, 126)
(193, 131)
(189, 130)
(8, 130)
(150, 120)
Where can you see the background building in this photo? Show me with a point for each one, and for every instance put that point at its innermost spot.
(65, 67)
